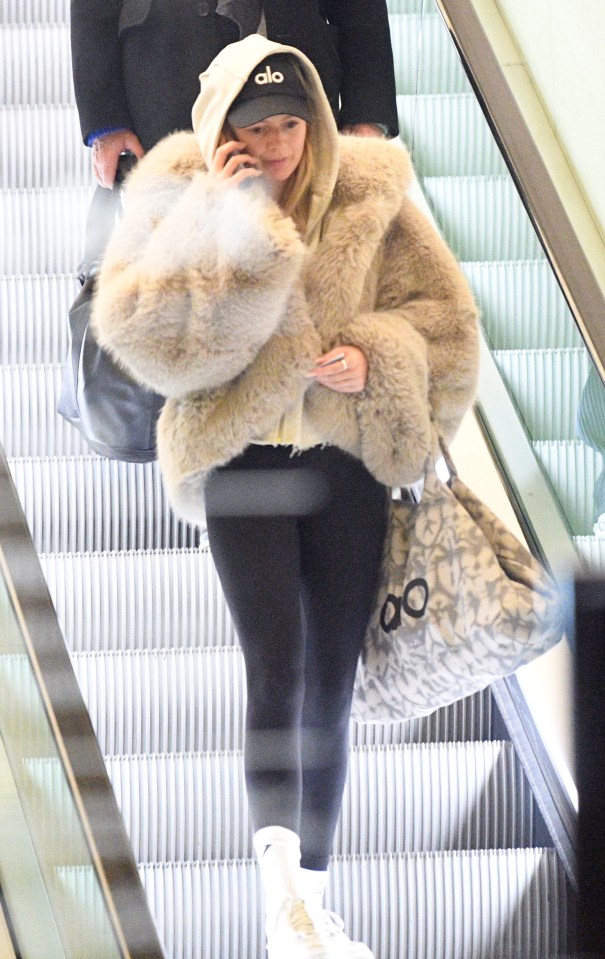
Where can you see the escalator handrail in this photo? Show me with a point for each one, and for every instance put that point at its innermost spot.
(537, 191)
(78, 748)
(586, 302)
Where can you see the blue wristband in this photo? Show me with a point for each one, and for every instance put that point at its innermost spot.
(90, 139)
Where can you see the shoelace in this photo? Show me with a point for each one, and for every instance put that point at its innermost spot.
(301, 922)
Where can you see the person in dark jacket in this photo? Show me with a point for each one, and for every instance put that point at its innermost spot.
(136, 63)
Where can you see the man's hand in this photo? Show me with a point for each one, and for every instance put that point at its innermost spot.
(106, 151)
(363, 130)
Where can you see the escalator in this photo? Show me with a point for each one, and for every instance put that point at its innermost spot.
(442, 851)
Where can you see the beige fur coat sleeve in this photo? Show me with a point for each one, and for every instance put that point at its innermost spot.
(422, 349)
(196, 277)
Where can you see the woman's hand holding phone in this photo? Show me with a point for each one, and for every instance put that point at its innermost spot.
(232, 165)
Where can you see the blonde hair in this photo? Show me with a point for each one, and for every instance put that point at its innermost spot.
(296, 198)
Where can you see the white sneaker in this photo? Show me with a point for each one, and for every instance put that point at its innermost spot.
(331, 929)
(293, 934)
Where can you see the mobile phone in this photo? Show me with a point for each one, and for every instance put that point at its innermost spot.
(242, 166)
(335, 359)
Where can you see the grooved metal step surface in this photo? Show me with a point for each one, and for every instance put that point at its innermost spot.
(47, 229)
(86, 503)
(521, 305)
(425, 61)
(534, 377)
(34, 12)
(482, 218)
(33, 317)
(192, 700)
(409, 6)
(35, 64)
(41, 147)
(184, 700)
(146, 599)
(591, 550)
(29, 422)
(397, 799)
(447, 135)
(461, 905)
(572, 468)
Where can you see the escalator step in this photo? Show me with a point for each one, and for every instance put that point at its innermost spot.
(425, 59)
(192, 700)
(34, 11)
(33, 318)
(522, 306)
(138, 600)
(42, 147)
(572, 469)
(485, 903)
(409, 6)
(35, 64)
(397, 799)
(87, 503)
(47, 229)
(482, 218)
(192, 806)
(447, 135)
(29, 422)
(592, 550)
(184, 700)
(534, 377)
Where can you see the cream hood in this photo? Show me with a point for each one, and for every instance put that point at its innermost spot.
(220, 85)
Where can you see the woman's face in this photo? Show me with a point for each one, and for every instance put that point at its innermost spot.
(277, 143)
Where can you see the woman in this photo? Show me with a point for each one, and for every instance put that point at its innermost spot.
(308, 327)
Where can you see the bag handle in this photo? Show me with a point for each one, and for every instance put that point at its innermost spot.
(104, 208)
(447, 456)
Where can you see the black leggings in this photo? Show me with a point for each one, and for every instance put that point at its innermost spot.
(297, 541)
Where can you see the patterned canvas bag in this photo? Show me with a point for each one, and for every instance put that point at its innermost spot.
(460, 603)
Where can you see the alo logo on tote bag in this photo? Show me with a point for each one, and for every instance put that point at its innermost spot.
(414, 601)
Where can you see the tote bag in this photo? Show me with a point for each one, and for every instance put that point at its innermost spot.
(116, 415)
(460, 603)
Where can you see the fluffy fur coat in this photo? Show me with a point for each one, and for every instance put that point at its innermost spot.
(208, 295)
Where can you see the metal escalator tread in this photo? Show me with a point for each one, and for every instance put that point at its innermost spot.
(534, 377)
(87, 503)
(399, 798)
(591, 550)
(429, 67)
(572, 468)
(47, 227)
(142, 599)
(29, 425)
(187, 700)
(34, 12)
(35, 64)
(448, 135)
(521, 305)
(33, 311)
(482, 218)
(422, 905)
(41, 147)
